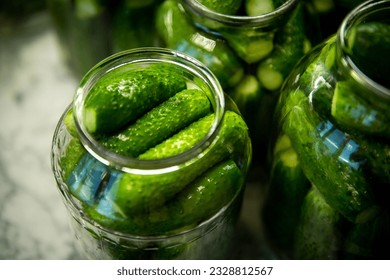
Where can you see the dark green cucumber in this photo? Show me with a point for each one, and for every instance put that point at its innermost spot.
(336, 172)
(289, 48)
(179, 33)
(247, 95)
(369, 45)
(376, 155)
(369, 240)
(318, 233)
(354, 112)
(207, 195)
(133, 27)
(288, 187)
(121, 97)
(159, 123)
(227, 7)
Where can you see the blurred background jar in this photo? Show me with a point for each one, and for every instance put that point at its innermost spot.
(16, 13)
(329, 190)
(90, 30)
(179, 199)
(250, 46)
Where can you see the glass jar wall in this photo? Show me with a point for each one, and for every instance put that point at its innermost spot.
(329, 188)
(151, 159)
(250, 46)
(90, 30)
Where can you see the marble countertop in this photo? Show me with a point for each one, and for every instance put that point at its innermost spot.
(35, 89)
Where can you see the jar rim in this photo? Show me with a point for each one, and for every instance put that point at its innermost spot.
(149, 55)
(262, 20)
(356, 16)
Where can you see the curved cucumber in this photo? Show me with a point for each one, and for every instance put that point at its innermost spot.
(200, 200)
(288, 187)
(160, 123)
(318, 233)
(342, 182)
(179, 33)
(129, 95)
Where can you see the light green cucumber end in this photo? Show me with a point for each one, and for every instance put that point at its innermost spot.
(270, 78)
(90, 120)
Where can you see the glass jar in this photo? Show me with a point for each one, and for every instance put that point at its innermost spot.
(250, 54)
(329, 187)
(179, 195)
(90, 30)
(330, 14)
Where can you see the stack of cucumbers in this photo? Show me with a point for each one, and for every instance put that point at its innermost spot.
(251, 60)
(329, 191)
(150, 114)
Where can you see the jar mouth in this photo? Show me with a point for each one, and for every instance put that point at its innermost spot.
(263, 20)
(361, 14)
(139, 56)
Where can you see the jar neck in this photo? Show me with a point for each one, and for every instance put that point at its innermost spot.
(348, 59)
(208, 18)
(191, 68)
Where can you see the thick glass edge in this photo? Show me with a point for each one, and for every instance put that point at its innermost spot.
(354, 17)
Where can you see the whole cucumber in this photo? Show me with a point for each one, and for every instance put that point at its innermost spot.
(119, 97)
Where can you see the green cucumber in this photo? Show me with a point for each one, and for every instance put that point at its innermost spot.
(349, 194)
(369, 44)
(250, 44)
(132, 27)
(354, 112)
(368, 240)
(121, 97)
(88, 8)
(71, 157)
(288, 187)
(160, 123)
(227, 7)
(258, 7)
(179, 33)
(289, 48)
(318, 234)
(121, 195)
(182, 141)
(135, 193)
(207, 194)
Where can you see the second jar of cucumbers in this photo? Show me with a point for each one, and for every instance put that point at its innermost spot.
(250, 46)
(151, 159)
(330, 184)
